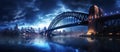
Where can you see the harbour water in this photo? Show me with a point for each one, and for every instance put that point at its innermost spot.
(63, 44)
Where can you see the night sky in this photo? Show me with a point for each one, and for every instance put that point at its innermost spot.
(39, 13)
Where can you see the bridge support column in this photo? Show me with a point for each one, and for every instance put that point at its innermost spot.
(94, 13)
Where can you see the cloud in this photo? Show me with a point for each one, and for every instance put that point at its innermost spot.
(107, 6)
(77, 4)
(42, 12)
(46, 6)
(118, 3)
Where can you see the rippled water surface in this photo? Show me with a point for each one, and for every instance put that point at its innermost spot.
(62, 44)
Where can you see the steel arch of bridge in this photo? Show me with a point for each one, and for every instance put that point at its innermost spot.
(80, 16)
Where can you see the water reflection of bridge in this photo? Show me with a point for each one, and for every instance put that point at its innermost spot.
(96, 22)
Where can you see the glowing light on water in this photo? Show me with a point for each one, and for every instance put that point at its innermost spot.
(90, 40)
(76, 50)
(41, 43)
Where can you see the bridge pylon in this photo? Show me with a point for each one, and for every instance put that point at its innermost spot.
(94, 13)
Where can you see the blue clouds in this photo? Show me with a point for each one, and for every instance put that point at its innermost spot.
(41, 12)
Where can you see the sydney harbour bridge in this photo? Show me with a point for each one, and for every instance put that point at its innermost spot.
(95, 20)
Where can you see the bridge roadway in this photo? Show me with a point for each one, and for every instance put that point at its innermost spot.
(106, 18)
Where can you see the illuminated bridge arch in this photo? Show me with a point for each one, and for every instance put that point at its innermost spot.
(80, 16)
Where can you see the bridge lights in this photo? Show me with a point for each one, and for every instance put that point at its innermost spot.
(105, 14)
(110, 33)
(117, 11)
(117, 33)
(90, 32)
(111, 13)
